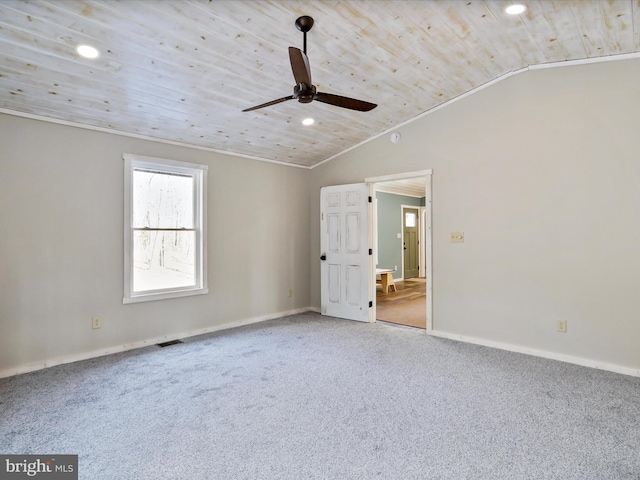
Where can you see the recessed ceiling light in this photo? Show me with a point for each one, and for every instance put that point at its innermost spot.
(87, 51)
(308, 121)
(515, 9)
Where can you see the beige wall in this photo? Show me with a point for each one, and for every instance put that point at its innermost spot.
(61, 244)
(541, 172)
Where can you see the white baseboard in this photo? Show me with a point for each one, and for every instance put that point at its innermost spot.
(585, 362)
(144, 343)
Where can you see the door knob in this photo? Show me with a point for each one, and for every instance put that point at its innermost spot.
(323, 257)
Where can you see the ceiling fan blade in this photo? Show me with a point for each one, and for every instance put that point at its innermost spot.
(300, 66)
(268, 104)
(344, 102)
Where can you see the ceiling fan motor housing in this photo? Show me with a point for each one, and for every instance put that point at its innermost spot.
(304, 93)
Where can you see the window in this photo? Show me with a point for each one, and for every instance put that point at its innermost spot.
(164, 229)
(409, 219)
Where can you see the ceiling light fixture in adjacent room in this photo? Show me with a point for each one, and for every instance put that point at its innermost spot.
(87, 51)
(515, 9)
(308, 121)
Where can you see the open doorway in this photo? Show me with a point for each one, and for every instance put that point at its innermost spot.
(400, 230)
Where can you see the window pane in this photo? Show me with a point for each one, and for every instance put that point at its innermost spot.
(163, 259)
(409, 219)
(162, 200)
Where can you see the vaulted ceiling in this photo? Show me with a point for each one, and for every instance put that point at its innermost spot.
(182, 71)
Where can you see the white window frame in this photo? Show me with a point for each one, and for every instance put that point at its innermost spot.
(199, 172)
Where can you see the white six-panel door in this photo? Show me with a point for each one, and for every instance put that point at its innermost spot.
(345, 252)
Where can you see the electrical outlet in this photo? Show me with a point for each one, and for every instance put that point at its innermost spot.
(456, 237)
(562, 326)
(96, 322)
(290, 292)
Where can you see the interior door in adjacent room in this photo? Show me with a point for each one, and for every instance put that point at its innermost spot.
(410, 219)
(344, 230)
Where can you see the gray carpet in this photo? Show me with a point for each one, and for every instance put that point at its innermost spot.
(308, 397)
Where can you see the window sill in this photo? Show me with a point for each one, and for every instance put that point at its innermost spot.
(149, 297)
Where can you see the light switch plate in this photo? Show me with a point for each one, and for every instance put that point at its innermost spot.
(456, 237)
(399, 235)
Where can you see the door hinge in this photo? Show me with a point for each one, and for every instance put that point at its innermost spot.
(370, 200)
(371, 251)
(370, 304)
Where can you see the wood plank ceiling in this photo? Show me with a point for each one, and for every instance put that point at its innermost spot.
(412, 187)
(183, 70)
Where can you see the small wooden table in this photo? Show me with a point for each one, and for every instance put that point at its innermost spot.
(386, 277)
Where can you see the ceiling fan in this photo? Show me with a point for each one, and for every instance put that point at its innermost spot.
(304, 91)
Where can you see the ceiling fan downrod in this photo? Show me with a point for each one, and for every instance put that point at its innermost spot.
(304, 24)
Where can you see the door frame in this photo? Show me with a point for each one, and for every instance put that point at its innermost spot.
(428, 237)
(422, 265)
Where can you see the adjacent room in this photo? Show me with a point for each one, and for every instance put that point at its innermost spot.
(418, 262)
(401, 230)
